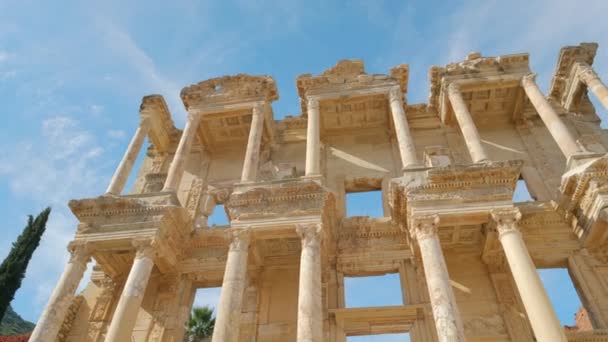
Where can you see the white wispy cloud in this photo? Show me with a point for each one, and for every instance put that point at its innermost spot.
(117, 134)
(49, 171)
(5, 56)
(123, 45)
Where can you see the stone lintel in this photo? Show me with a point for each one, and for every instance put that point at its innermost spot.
(377, 320)
(470, 83)
(477, 68)
(111, 223)
(454, 190)
(347, 78)
(565, 78)
(230, 89)
(162, 132)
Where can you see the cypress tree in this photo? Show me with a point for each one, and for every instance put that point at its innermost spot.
(14, 266)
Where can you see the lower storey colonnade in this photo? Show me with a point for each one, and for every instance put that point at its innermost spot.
(447, 318)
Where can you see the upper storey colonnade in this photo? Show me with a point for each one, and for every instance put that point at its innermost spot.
(246, 102)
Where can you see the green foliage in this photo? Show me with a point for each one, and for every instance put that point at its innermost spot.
(13, 324)
(14, 266)
(200, 324)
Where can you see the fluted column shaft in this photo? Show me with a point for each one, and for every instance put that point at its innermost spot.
(128, 159)
(252, 154)
(555, 125)
(313, 144)
(591, 79)
(544, 321)
(310, 306)
(125, 315)
(176, 170)
(467, 126)
(443, 302)
(52, 317)
(407, 149)
(228, 319)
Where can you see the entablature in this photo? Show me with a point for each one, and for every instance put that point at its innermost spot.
(162, 133)
(490, 86)
(566, 88)
(459, 194)
(349, 98)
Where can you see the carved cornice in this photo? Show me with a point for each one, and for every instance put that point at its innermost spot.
(162, 133)
(577, 181)
(474, 66)
(114, 206)
(563, 78)
(348, 75)
(230, 89)
(276, 199)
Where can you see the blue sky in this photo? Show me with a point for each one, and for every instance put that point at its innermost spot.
(72, 74)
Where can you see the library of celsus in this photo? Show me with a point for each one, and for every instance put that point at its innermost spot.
(465, 250)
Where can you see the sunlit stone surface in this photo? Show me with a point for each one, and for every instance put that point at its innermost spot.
(466, 251)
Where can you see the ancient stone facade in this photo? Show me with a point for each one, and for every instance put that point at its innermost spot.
(466, 254)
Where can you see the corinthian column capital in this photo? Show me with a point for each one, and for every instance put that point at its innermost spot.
(585, 72)
(239, 238)
(395, 94)
(453, 89)
(528, 80)
(312, 102)
(506, 220)
(144, 248)
(80, 253)
(424, 226)
(310, 233)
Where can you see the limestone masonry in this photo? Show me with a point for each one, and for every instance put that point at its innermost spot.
(466, 254)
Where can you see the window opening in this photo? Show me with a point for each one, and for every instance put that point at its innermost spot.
(384, 290)
(367, 203)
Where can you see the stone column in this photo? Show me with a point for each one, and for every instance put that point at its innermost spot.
(128, 159)
(313, 144)
(591, 79)
(407, 148)
(310, 306)
(467, 126)
(556, 127)
(133, 292)
(228, 319)
(443, 302)
(176, 170)
(544, 321)
(52, 317)
(252, 155)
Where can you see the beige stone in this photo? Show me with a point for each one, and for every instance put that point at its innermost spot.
(446, 169)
